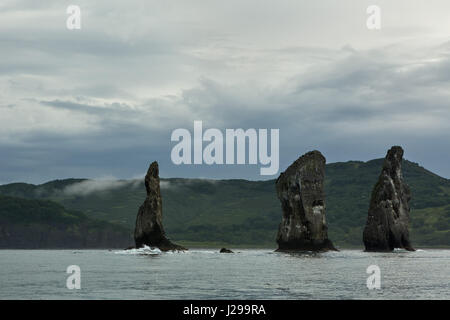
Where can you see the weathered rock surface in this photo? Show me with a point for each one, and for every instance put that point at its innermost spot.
(300, 189)
(388, 218)
(225, 250)
(149, 229)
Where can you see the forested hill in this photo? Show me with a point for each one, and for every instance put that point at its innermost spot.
(247, 213)
(33, 224)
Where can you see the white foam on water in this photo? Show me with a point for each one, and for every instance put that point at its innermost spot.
(146, 250)
(403, 250)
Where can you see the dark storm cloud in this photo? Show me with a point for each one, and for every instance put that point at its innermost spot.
(103, 101)
(105, 110)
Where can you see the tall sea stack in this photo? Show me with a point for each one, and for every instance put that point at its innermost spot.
(388, 218)
(300, 189)
(149, 229)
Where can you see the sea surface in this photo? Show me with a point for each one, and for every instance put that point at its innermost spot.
(208, 274)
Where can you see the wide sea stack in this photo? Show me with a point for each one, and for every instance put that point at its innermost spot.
(300, 190)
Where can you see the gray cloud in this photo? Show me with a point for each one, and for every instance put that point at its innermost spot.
(104, 100)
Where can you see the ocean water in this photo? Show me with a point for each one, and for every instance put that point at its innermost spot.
(207, 274)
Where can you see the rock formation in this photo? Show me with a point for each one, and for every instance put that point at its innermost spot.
(225, 250)
(149, 229)
(388, 218)
(300, 189)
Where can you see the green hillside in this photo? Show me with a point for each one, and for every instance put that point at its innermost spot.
(45, 224)
(349, 185)
(240, 212)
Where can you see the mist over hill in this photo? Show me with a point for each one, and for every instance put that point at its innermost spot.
(247, 213)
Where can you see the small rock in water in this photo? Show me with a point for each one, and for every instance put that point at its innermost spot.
(225, 250)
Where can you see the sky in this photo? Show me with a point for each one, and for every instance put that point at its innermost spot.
(102, 101)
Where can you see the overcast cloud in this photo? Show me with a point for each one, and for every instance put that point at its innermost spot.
(103, 100)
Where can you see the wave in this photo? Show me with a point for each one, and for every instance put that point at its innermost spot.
(404, 250)
(146, 250)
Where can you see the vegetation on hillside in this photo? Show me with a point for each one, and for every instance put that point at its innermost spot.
(46, 224)
(241, 212)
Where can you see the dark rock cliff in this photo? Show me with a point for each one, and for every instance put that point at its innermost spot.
(388, 218)
(149, 228)
(300, 190)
